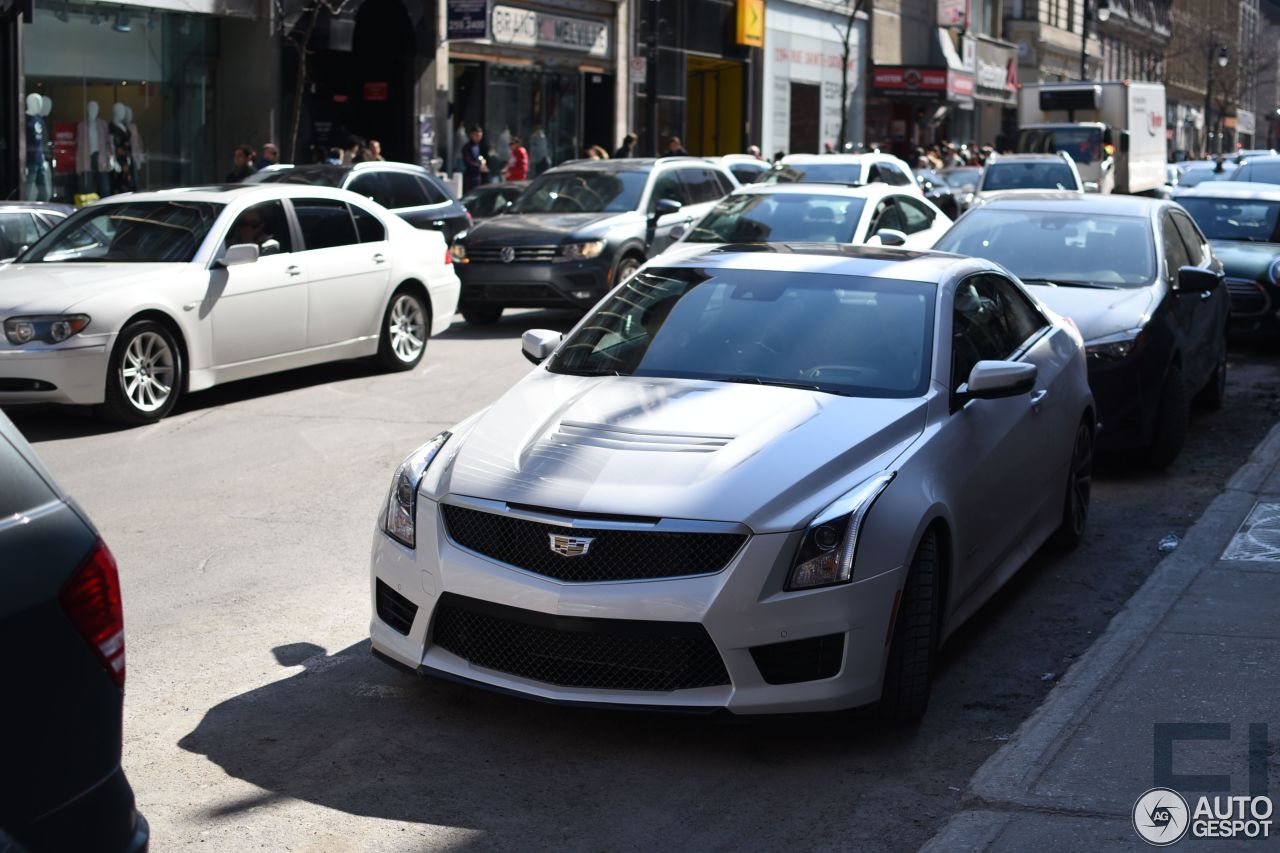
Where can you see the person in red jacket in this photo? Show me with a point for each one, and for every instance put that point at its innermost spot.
(518, 163)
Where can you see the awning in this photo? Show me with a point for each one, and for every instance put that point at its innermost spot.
(959, 78)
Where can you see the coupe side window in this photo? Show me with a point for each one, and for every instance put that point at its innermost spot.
(887, 215)
(325, 223)
(991, 321)
(1175, 251)
(1192, 237)
(915, 216)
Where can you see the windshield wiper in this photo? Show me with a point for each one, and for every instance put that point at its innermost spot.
(780, 383)
(1062, 282)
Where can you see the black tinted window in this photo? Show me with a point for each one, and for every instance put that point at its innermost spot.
(260, 224)
(1175, 251)
(582, 192)
(893, 176)
(324, 223)
(886, 216)
(23, 489)
(1028, 175)
(403, 190)
(129, 232)
(990, 322)
(1191, 237)
(367, 225)
(700, 185)
(17, 231)
(916, 217)
(435, 194)
(668, 186)
(369, 185)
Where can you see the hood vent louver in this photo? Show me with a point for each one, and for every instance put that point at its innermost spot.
(624, 438)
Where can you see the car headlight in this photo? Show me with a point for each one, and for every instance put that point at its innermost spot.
(1274, 272)
(582, 251)
(827, 552)
(53, 329)
(1116, 347)
(402, 504)
(459, 253)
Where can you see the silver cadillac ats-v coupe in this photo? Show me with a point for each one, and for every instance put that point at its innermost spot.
(765, 478)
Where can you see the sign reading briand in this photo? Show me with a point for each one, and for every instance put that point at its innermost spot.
(527, 28)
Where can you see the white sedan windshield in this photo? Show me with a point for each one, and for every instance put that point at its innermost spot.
(780, 218)
(130, 232)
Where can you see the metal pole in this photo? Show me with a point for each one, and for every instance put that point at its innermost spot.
(655, 13)
(1208, 95)
(1084, 43)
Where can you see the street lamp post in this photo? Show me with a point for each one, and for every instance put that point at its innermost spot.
(1220, 52)
(1102, 10)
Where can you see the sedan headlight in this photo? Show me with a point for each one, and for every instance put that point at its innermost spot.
(402, 504)
(827, 552)
(1116, 347)
(1274, 272)
(582, 251)
(53, 329)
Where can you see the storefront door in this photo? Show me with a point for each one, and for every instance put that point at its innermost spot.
(805, 115)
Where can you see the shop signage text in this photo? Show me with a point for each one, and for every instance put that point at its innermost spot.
(996, 75)
(810, 57)
(907, 80)
(527, 28)
(468, 19)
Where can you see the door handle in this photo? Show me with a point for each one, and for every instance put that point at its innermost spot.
(437, 223)
(293, 272)
(1038, 398)
(1205, 294)
(379, 258)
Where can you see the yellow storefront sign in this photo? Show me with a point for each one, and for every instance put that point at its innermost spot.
(751, 23)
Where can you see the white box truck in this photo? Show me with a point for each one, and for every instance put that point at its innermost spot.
(1113, 129)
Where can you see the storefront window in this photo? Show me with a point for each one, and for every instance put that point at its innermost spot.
(127, 99)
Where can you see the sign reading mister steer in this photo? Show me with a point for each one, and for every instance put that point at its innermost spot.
(527, 28)
(922, 82)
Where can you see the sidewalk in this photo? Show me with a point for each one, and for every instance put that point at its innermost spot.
(1198, 643)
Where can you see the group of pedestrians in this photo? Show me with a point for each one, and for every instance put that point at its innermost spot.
(947, 155)
(246, 161)
(475, 161)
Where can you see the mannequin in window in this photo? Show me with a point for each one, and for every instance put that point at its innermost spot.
(93, 152)
(122, 180)
(135, 143)
(45, 111)
(35, 160)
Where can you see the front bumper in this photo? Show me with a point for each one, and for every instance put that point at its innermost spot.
(74, 373)
(740, 608)
(535, 284)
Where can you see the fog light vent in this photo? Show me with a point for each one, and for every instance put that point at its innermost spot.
(800, 660)
(394, 609)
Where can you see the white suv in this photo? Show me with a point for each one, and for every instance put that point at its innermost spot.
(1011, 175)
(857, 169)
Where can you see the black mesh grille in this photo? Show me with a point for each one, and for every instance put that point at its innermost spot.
(570, 651)
(394, 609)
(800, 660)
(613, 555)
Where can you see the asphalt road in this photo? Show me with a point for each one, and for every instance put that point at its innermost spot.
(257, 719)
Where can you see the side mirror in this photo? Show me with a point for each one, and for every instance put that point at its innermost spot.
(537, 344)
(663, 206)
(991, 380)
(677, 232)
(1195, 280)
(891, 237)
(240, 253)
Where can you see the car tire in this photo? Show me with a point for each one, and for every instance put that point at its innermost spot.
(1171, 421)
(406, 328)
(1214, 393)
(905, 695)
(481, 315)
(1075, 509)
(625, 269)
(144, 375)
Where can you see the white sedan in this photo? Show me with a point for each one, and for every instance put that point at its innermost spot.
(137, 299)
(876, 214)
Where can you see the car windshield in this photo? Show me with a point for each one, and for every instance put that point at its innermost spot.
(1263, 173)
(1235, 218)
(962, 178)
(780, 217)
(583, 192)
(1044, 175)
(1084, 144)
(820, 173)
(316, 176)
(838, 334)
(129, 232)
(1192, 177)
(1062, 247)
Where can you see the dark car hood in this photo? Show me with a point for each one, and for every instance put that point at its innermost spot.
(1098, 313)
(515, 229)
(1246, 260)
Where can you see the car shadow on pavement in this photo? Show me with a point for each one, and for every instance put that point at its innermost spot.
(512, 325)
(351, 733)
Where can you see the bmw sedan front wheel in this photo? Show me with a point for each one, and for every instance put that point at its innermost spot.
(144, 375)
(405, 328)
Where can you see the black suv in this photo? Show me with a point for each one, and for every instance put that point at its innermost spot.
(410, 192)
(581, 228)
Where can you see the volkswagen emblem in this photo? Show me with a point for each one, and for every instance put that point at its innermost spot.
(570, 546)
(508, 254)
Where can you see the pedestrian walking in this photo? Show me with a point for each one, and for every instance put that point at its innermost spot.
(675, 148)
(242, 159)
(270, 156)
(595, 152)
(518, 162)
(627, 148)
(375, 150)
(754, 151)
(474, 166)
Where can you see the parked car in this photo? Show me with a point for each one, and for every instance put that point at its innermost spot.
(581, 228)
(1196, 172)
(410, 192)
(763, 480)
(62, 786)
(491, 199)
(964, 179)
(938, 191)
(1259, 170)
(852, 169)
(1141, 282)
(817, 213)
(24, 222)
(745, 167)
(135, 300)
(1249, 153)
(1010, 175)
(1242, 222)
